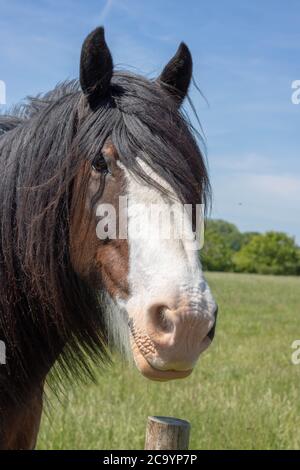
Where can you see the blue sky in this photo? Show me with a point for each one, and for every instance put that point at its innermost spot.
(246, 55)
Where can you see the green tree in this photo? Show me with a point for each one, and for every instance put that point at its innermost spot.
(231, 235)
(269, 253)
(216, 254)
(247, 236)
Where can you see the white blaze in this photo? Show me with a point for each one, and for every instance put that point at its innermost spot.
(160, 268)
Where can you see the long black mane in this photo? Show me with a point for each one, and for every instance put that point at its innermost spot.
(46, 312)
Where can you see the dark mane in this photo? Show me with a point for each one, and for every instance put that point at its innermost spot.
(44, 306)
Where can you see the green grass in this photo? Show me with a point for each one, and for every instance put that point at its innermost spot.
(244, 393)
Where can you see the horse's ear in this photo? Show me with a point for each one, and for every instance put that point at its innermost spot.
(96, 67)
(177, 74)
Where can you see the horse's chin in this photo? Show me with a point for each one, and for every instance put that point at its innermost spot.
(148, 371)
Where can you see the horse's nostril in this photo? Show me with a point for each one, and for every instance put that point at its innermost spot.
(159, 319)
(211, 333)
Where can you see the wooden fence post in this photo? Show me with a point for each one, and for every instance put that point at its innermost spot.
(165, 433)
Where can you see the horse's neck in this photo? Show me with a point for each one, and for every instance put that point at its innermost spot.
(21, 401)
(19, 425)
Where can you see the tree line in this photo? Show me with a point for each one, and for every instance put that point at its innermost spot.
(228, 249)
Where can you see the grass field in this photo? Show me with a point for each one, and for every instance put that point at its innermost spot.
(244, 393)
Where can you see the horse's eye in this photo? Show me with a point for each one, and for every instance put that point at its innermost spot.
(99, 164)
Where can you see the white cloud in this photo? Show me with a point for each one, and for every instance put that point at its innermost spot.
(287, 187)
(257, 200)
(245, 162)
(105, 11)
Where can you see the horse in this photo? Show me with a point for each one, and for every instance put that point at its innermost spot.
(69, 297)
